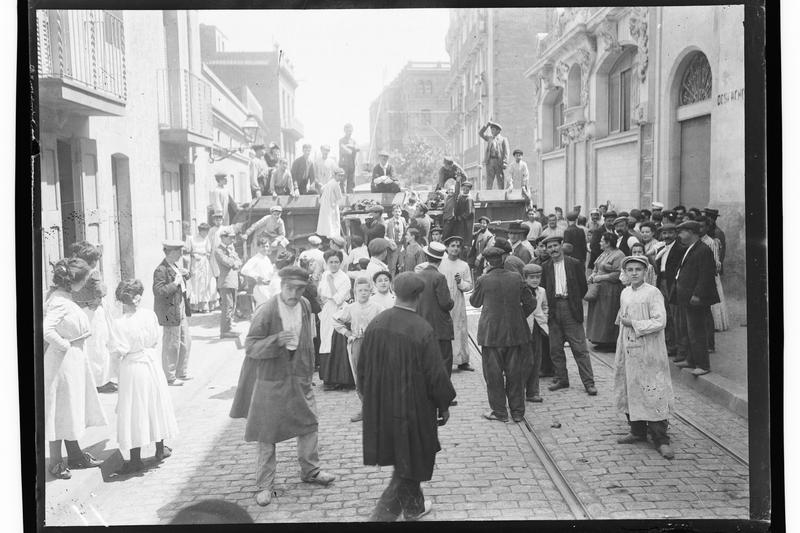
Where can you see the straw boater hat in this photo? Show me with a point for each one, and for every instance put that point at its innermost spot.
(495, 124)
(435, 250)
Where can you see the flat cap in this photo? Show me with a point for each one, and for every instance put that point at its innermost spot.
(375, 209)
(383, 153)
(495, 125)
(276, 207)
(172, 243)
(313, 239)
(377, 246)
(339, 171)
(217, 213)
(572, 216)
(689, 225)
(220, 175)
(484, 217)
(657, 205)
(227, 231)
(293, 273)
(709, 212)
(408, 285)
(517, 151)
(493, 251)
(448, 159)
(610, 214)
(436, 229)
(552, 238)
(642, 260)
(668, 226)
(452, 238)
(467, 184)
(594, 210)
(532, 268)
(435, 250)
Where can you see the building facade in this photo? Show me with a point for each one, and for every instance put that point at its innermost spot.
(413, 106)
(638, 104)
(129, 119)
(270, 80)
(490, 49)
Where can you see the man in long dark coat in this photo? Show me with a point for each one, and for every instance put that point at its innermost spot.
(503, 335)
(576, 237)
(274, 391)
(404, 386)
(435, 303)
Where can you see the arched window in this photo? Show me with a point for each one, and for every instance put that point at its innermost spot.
(620, 94)
(552, 117)
(558, 120)
(696, 82)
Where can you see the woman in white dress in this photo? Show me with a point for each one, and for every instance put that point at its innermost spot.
(334, 291)
(383, 296)
(459, 281)
(144, 408)
(202, 285)
(259, 268)
(71, 402)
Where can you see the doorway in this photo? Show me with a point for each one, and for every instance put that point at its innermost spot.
(696, 161)
(71, 214)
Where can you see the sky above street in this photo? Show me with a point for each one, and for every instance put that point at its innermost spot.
(341, 58)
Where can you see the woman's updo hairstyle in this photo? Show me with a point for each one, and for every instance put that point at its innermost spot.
(128, 289)
(69, 271)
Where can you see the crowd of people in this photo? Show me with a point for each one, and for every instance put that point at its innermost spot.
(384, 312)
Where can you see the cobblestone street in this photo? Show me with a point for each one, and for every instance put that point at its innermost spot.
(486, 470)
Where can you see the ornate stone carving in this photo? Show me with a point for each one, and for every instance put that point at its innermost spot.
(638, 28)
(562, 73)
(573, 132)
(608, 32)
(696, 83)
(639, 115)
(586, 59)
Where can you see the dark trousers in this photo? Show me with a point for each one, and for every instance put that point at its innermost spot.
(402, 495)
(563, 326)
(669, 332)
(546, 368)
(710, 329)
(535, 346)
(349, 181)
(692, 335)
(494, 170)
(226, 299)
(504, 371)
(656, 428)
(446, 347)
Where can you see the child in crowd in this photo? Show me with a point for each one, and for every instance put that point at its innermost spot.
(351, 322)
(537, 322)
(384, 296)
(649, 276)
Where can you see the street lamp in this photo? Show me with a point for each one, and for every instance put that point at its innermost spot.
(250, 130)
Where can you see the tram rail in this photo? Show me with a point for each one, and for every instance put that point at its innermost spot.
(556, 475)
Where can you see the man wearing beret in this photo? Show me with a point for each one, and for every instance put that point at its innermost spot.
(694, 292)
(228, 280)
(274, 391)
(172, 308)
(406, 396)
(564, 280)
(667, 260)
(503, 335)
(435, 303)
(576, 237)
(496, 156)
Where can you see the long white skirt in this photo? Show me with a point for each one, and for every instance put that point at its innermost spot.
(720, 311)
(144, 408)
(71, 402)
(103, 366)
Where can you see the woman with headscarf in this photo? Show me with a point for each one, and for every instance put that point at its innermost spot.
(600, 321)
(334, 291)
(71, 402)
(144, 408)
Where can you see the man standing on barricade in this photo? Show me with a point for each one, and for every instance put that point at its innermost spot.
(274, 392)
(496, 156)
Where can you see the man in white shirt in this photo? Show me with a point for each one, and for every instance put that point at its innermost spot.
(552, 229)
(325, 166)
(519, 172)
(534, 226)
(220, 197)
(668, 260)
(258, 171)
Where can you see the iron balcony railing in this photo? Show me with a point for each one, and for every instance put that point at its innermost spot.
(184, 102)
(85, 47)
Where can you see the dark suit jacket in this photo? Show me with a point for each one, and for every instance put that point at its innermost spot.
(303, 175)
(594, 244)
(435, 303)
(576, 286)
(168, 296)
(577, 238)
(377, 229)
(506, 304)
(696, 277)
(378, 172)
(523, 253)
(667, 276)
